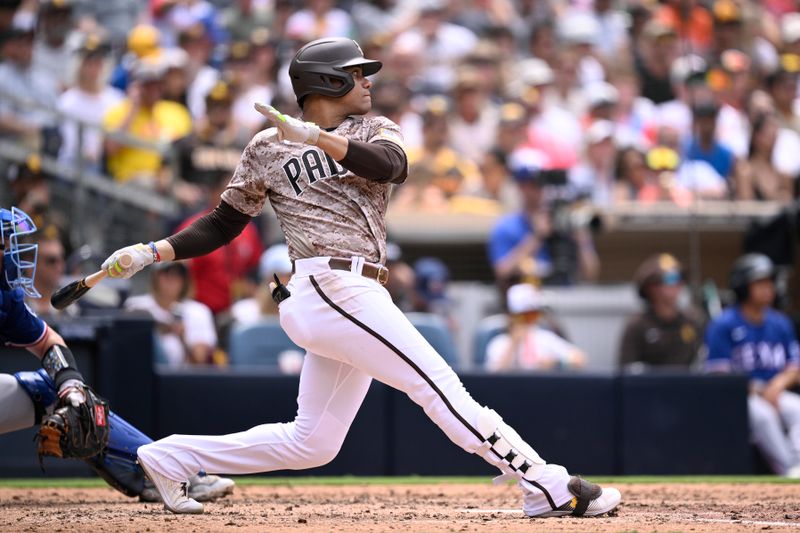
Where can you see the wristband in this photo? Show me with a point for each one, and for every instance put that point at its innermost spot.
(156, 255)
(313, 134)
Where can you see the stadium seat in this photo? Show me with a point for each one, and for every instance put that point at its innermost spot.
(259, 344)
(435, 330)
(488, 328)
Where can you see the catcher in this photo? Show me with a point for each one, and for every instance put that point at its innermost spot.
(74, 421)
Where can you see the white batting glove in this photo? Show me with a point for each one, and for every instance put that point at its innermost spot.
(290, 128)
(141, 255)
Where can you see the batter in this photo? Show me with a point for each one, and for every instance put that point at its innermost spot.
(328, 180)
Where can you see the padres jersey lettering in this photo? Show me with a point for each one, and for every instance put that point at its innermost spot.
(319, 216)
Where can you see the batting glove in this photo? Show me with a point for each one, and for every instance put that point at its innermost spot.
(141, 256)
(290, 128)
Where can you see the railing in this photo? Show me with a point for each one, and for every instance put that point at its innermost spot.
(101, 212)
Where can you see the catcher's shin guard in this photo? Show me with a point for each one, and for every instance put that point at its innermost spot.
(118, 465)
(41, 389)
(504, 448)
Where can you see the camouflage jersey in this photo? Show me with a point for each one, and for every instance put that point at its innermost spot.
(323, 209)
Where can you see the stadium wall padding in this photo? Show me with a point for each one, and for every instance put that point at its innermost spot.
(675, 424)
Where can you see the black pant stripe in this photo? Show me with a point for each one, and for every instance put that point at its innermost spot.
(422, 374)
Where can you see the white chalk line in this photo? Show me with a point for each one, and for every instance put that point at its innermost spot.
(709, 520)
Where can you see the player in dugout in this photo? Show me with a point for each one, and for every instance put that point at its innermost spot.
(56, 395)
(328, 178)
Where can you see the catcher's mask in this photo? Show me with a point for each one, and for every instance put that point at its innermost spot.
(19, 257)
(319, 67)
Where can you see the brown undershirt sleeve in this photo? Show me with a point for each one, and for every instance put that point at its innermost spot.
(381, 161)
(209, 232)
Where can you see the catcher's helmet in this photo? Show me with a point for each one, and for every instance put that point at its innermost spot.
(19, 257)
(747, 269)
(317, 64)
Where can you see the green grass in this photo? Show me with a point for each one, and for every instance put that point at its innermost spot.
(405, 480)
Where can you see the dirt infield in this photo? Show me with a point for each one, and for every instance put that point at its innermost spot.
(399, 508)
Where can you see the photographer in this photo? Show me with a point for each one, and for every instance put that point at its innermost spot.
(543, 240)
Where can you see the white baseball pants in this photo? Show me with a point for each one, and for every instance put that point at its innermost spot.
(352, 332)
(781, 447)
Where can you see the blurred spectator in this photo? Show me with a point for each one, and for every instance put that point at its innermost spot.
(29, 190)
(688, 79)
(257, 299)
(51, 54)
(381, 19)
(401, 280)
(392, 99)
(757, 178)
(473, 123)
(176, 16)
(215, 275)
(512, 127)
(244, 87)
(431, 277)
(185, 327)
(728, 26)
(704, 146)
(116, 17)
(145, 115)
(440, 44)
(176, 75)
(653, 58)
(27, 94)
(662, 334)
(613, 29)
(689, 19)
(731, 82)
(242, 17)
(143, 41)
(84, 105)
(319, 18)
(782, 86)
(436, 172)
(580, 33)
(50, 271)
(213, 151)
(201, 76)
(497, 182)
(527, 345)
(265, 58)
(754, 339)
(481, 16)
(593, 177)
(525, 243)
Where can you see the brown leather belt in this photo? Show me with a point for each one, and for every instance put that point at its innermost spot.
(370, 270)
(373, 271)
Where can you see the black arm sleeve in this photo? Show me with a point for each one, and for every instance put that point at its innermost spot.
(209, 232)
(381, 161)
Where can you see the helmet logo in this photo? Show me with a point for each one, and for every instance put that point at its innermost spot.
(360, 51)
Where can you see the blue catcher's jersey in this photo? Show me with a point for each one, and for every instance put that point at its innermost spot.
(760, 350)
(19, 326)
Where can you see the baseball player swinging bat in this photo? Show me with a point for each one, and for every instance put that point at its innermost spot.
(69, 294)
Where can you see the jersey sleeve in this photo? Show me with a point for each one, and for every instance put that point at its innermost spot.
(21, 327)
(718, 347)
(383, 129)
(247, 190)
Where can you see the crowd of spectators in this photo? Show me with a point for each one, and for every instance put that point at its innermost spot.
(528, 112)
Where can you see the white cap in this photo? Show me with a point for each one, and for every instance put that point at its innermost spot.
(600, 130)
(580, 28)
(684, 66)
(534, 72)
(275, 261)
(523, 298)
(601, 92)
(790, 28)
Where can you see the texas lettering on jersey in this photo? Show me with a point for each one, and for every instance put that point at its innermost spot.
(309, 165)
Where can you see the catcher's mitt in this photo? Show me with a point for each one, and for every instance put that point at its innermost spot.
(80, 432)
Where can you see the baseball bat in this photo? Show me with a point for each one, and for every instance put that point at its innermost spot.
(69, 294)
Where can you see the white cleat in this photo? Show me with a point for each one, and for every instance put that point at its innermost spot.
(174, 493)
(207, 488)
(588, 499)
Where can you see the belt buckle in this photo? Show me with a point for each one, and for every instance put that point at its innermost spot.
(383, 275)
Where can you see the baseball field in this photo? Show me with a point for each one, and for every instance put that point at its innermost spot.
(699, 504)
